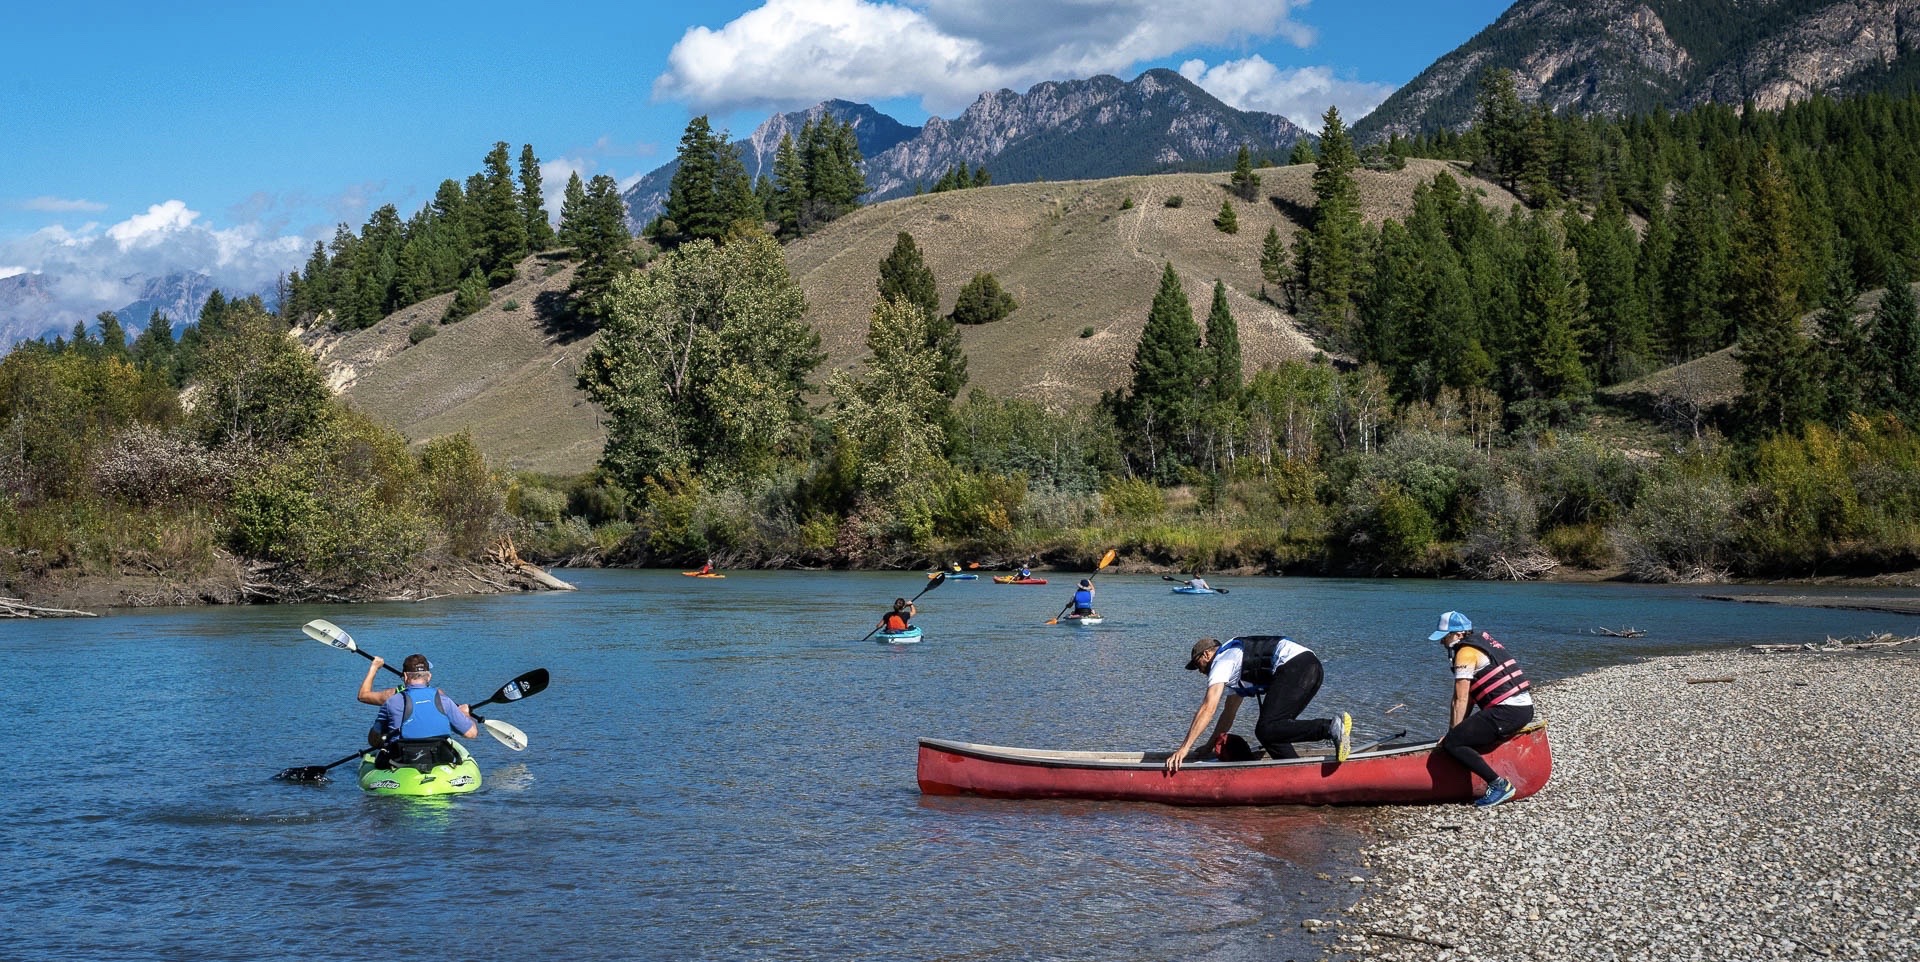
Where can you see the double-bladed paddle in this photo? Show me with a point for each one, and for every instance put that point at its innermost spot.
(932, 583)
(1182, 581)
(526, 686)
(533, 682)
(1105, 560)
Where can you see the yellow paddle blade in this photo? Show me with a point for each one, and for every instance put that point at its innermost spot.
(1107, 559)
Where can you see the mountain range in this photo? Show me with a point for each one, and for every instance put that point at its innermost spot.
(1632, 56)
(1060, 130)
(31, 305)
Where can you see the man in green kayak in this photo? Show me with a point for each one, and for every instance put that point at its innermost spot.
(1278, 671)
(417, 721)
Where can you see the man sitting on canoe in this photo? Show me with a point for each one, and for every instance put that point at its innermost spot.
(416, 722)
(900, 618)
(1486, 677)
(1282, 674)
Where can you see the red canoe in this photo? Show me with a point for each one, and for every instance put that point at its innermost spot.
(1389, 775)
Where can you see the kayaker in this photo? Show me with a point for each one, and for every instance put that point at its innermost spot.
(1198, 582)
(1083, 598)
(1486, 677)
(1026, 574)
(954, 566)
(900, 618)
(1284, 677)
(707, 569)
(416, 721)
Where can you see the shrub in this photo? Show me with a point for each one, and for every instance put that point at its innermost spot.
(461, 493)
(1227, 221)
(1681, 529)
(1175, 200)
(1132, 499)
(1087, 331)
(511, 305)
(982, 301)
(421, 331)
(1127, 204)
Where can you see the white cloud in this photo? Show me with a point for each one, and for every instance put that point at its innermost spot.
(152, 226)
(790, 53)
(8, 270)
(1301, 94)
(62, 205)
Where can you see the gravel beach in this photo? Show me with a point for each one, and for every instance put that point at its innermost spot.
(1770, 817)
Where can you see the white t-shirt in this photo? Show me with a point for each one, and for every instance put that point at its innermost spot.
(1468, 661)
(1225, 669)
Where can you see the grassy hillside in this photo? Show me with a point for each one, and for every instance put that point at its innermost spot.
(1066, 251)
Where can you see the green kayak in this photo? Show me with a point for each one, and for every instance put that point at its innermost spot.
(456, 779)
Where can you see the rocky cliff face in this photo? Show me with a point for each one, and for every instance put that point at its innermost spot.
(1062, 130)
(1619, 56)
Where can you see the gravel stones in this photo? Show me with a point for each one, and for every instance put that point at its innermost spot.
(1772, 817)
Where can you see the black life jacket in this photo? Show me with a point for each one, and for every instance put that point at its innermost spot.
(1259, 657)
(1500, 680)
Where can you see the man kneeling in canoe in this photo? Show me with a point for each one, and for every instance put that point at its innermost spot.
(1283, 675)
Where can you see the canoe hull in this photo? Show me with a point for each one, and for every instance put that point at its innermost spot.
(456, 779)
(1398, 775)
(909, 637)
(1191, 590)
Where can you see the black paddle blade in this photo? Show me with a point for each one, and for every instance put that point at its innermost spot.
(526, 686)
(310, 773)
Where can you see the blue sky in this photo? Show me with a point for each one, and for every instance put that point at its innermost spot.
(144, 138)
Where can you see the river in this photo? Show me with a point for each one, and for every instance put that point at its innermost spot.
(722, 769)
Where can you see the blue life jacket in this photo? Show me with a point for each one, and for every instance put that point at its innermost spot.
(1083, 600)
(422, 717)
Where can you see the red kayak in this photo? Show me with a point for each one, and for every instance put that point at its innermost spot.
(1012, 580)
(1388, 775)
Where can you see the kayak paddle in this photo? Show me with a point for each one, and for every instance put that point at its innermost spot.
(933, 583)
(526, 686)
(1105, 560)
(333, 636)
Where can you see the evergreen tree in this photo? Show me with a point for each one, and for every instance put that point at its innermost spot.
(1553, 306)
(982, 301)
(737, 205)
(153, 349)
(1223, 372)
(894, 420)
(573, 211)
(602, 246)
(1245, 182)
(905, 277)
(1329, 260)
(502, 223)
(1695, 290)
(1302, 153)
(1273, 258)
(981, 178)
(1227, 221)
(693, 204)
(532, 204)
(1501, 121)
(113, 337)
(468, 298)
(1167, 371)
(1893, 349)
(1778, 377)
(1843, 366)
(1620, 341)
(789, 186)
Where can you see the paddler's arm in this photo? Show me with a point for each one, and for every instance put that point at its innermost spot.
(1200, 719)
(367, 695)
(1460, 701)
(460, 714)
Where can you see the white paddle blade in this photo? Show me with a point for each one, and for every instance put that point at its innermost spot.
(506, 734)
(326, 631)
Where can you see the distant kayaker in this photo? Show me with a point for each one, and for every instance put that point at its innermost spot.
(1198, 582)
(415, 721)
(1083, 598)
(954, 566)
(900, 618)
(706, 569)
(1487, 677)
(1026, 574)
(1278, 671)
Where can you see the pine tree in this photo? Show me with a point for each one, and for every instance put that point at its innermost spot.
(1501, 121)
(1777, 375)
(1893, 349)
(1553, 310)
(1223, 350)
(153, 350)
(1329, 264)
(468, 298)
(573, 211)
(1619, 345)
(1302, 153)
(982, 301)
(1227, 221)
(602, 247)
(1695, 299)
(1842, 363)
(1273, 258)
(692, 195)
(1167, 369)
(532, 203)
(113, 337)
(790, 186)
(905, 277)
(502, 222)
(1245, 182)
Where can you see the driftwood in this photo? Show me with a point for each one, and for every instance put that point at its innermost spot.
(1621, 633)
(505, 553)
(15, 608)
(1881, 640)
(1710, 681)
(1383, 933)
(1523, 567)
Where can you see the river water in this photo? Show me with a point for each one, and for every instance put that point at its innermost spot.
(722, 769)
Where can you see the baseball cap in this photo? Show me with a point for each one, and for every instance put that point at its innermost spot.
(1201, 647)
(1451, 622)
(416, 662)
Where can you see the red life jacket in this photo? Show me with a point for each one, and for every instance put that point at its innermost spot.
(896, 621)
(1500, 680)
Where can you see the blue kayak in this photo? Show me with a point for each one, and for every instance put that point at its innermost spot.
(1191, 590)
(908, 637)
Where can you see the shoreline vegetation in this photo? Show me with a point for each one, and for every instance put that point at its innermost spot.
(1729, 805)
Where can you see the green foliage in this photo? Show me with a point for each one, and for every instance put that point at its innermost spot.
(1127, 203)
(702, 364)
(1068, 450)
(1329, 258)
(1273, 258)
(601, 244)
(500, 219)
(1175, 200)
(257, 387)
(982, 301)
(468, 298)
(891, 416)
(1302, 153)
(904, 276)
(57, 408)
(1245, 183)
(1167, 373)
(461, 493)
(1086, 332)
(540, 234)
(710, 191)
(1132, 499)
(421, 331)
(1227, 222)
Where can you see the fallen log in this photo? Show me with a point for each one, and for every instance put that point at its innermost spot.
(16, 608)
(1710, 681)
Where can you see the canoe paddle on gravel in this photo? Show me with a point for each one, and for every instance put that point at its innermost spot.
(526, 686)
(936, 581)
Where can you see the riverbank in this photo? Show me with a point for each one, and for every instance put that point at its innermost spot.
(1689, 817)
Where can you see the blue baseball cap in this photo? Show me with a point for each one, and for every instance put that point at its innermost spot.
(1451, 622)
